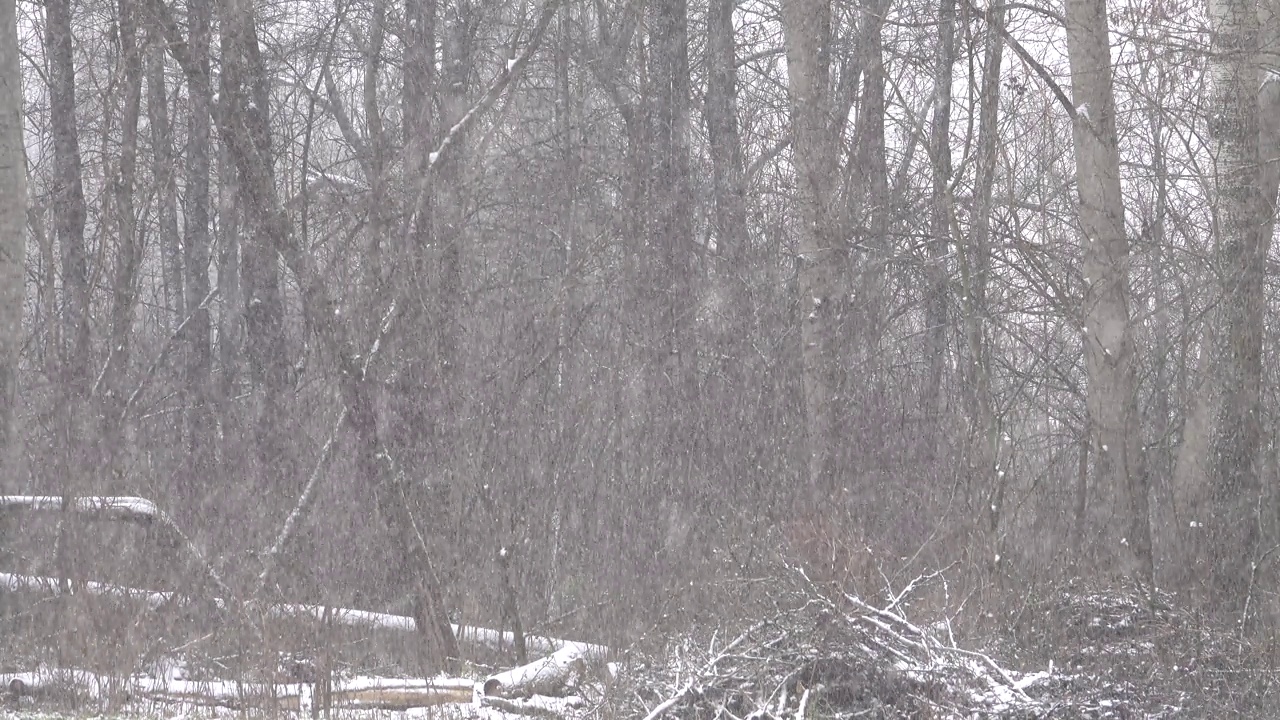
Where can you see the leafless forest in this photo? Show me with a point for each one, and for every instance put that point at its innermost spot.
(586, 317)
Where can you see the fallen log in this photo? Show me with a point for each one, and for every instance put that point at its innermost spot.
(547, 676)
(366, 693)
(144, 513)
(468, 636)
(534, 707)
(402, 695)
(135, 510)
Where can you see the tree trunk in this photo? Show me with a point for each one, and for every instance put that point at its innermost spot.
(975, 265)
(162, 169)
(666, 264)
(245, 96)
(867, 190)
(68, 204)
(728, 181)
(13, 222)
(1120, 472)
(807, 35)
(936, 324)
(195, 254)
(128, 244)
(416, 431)
(1240, 255)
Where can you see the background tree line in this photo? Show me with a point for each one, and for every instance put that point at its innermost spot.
(567, 313)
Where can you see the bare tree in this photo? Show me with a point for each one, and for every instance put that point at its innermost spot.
(807, 33)
(936, 301)
(975, 271)
(68, 196)
(128, 241)
(195, 251)
(13, 221)
(1119, 456)
(1241, 253)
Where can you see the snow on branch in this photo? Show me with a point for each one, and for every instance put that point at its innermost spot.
(126, 509)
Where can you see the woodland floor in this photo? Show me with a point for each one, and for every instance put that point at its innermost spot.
(1074, 652)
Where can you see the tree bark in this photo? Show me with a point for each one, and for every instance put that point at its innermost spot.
(13, 221)
(728, 172)
(162, 169)
(128, 243)
(245, 96)
(195, 252)
(666, 263)
(807, 35)
(1240, 258)
(975, 265)
(1120, 469)
(936, 324)
(68, 204)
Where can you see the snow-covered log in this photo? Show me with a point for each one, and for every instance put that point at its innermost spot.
(143, 512)
(468, 636)
(136, 510)
(390, 695)
(384, 693)
(547, 676)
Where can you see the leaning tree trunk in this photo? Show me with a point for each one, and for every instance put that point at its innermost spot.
(1120, 473)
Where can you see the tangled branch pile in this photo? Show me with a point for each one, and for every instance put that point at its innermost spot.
(1103, 653)
(832, 655)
